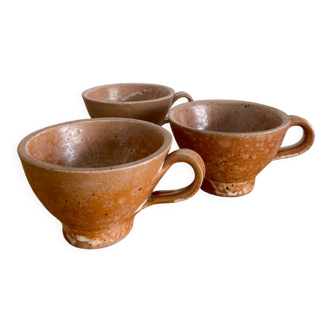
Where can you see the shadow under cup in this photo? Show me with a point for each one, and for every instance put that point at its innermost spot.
(236, 140)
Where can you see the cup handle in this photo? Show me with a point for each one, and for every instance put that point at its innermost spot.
(303, 144)
(172, 196)
(182, 94)
(177, 96)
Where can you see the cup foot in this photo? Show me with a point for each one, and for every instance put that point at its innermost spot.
(228, 189)
(100, 238)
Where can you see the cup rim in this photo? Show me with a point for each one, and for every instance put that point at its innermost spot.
(84, 94)
(283, 115)
(27, 157)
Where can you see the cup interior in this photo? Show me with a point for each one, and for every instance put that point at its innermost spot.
(228, 116)
(127, 92)
(96, 143)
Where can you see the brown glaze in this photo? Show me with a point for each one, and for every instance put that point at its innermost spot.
(148, 102)
(96, 175)
(236, 140)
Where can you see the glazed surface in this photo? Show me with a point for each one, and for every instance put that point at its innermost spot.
(95, 144)
(228, 116)
(128, 92)
(96, 175)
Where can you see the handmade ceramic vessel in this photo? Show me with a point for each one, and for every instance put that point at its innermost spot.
(148, 102)
(236, 140)
(96, 175)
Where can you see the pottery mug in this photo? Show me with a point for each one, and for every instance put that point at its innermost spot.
(95, 175)
(236, 140)
(148, 102)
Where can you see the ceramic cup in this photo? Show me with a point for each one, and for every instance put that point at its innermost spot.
(236, 140)
(148, 102)
(95, 175)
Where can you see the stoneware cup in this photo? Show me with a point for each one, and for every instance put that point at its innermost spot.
(95, 175)
(236, 140)
(148, 102)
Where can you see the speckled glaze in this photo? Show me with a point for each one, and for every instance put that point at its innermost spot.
(236, 140)
(148, 102)
(96, 175)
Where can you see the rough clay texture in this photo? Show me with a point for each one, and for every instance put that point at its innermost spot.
(236, 140)
(230, 160)
(148, 102)
(96, 175)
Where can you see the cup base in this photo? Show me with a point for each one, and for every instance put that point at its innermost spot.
(98, 239)
(234, 189)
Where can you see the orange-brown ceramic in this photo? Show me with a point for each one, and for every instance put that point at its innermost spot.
(236, 140)
(96, 175)
(148, 102)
